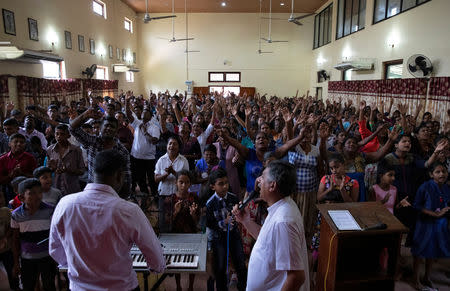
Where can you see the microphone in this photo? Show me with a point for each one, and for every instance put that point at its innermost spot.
(253, 195)
(376, 226)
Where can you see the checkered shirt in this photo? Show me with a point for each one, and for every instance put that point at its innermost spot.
(306, 168)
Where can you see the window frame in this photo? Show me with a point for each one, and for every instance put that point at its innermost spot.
(224, 86)
(101, 3)
(224, 74)
(130, 24)
(105, 69)
(343, 75)
(387, 64)
(351, 18)
(60, 68)
(386, 10)
(327, 11)
(131, 74)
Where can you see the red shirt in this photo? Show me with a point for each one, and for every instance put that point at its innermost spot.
(8, 162)
(371, 146)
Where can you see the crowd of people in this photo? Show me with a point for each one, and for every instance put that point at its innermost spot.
(194, 158)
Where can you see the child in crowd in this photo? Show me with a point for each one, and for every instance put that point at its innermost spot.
(220, 223)
(334, 188)
(384, 190)
(30, 224)
(183, 213)
(432, 235)
(15, 202)
(203, 168)
(50, 195)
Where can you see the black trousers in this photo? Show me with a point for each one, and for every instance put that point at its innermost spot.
(219, 247)
(31, 268)
(8, 262)
(141, 170)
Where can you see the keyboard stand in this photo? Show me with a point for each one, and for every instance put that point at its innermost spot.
(158, 283)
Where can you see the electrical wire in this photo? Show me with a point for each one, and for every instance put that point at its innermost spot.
(328, 264)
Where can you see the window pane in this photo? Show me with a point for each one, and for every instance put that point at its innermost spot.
(232, 77)
(330, 13)
(393, 7)
(380, 10)
(325, 27)
(394, 71)
(51, 70)
(347, 75)
(316, 31)
(321, 30)
(408, 4)
(348, 16)
(362, 14)
(340, 16)
(355, 12)
(127, 25)
(216, 77)
(98, 8)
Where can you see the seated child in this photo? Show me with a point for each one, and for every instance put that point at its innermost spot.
(50, 195)
(220, 223)
(30, 245)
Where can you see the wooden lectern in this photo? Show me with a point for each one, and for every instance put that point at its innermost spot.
(352, 260)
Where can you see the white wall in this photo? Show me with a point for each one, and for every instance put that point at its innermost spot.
(56, 16)
(231, 37)
(423, 30)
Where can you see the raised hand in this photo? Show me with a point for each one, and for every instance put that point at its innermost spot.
(193, 209)
(404, 202)
(324, 131)
(403, 108)
(177, 207)
(287, 115)
(9, 106)
(442, 145)
(362, 105)
(395, 132)
(248, 110)
(234, 109)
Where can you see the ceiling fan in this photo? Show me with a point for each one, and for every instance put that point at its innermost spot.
(173, 39)
(260, 51)
(269, 39)
(147, 17)
(292, 18)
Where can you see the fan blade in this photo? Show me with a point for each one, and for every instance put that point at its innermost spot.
(162, 17)
(280, 41)
(412, 68)
(184, 39)
(273, 18)
(303, 16)
(265, 39)
(158, 37)
(296, 22)
(191, 51)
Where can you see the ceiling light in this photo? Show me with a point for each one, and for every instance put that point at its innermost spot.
(224, 4)
(281, 4)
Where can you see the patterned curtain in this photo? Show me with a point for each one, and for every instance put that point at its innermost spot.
(4, 90)
(46, 90)
(409, 91)
(100, 87)
(439, 98)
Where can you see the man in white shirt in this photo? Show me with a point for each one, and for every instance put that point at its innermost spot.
(279, 260)
(92, 232)
(143, 150)
(29, 131)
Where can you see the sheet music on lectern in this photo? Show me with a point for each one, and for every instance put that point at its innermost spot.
(344, 220)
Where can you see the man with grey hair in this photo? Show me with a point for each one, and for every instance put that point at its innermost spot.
(279, 259)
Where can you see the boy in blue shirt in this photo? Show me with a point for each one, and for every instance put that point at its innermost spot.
(30, 224)
(218, 220)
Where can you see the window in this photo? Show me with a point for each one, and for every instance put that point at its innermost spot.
(227, 90)
(387, 8)
(393, 69)
(129, 76)
(51, 70)
(322, 27)
(128, 25)
(101, 73)
(231, 77)
(351, 17)
(99, 8)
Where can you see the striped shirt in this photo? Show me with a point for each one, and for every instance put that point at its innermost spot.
(33, 229)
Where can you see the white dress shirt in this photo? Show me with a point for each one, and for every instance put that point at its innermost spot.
(204, 136)
(142, 148)
(169, 185)
(35, 132)
(92, 233)
(280, 247)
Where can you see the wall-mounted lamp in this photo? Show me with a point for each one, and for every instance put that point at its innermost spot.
(52, 37)
(101, 50)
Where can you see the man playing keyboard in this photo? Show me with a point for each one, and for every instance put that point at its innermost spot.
(93, 231)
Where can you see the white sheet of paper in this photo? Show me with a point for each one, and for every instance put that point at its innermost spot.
(343, 220)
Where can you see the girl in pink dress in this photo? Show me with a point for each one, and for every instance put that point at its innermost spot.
(384, 190)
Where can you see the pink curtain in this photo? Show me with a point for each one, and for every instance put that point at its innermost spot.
(439, 99)
(100, 87)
